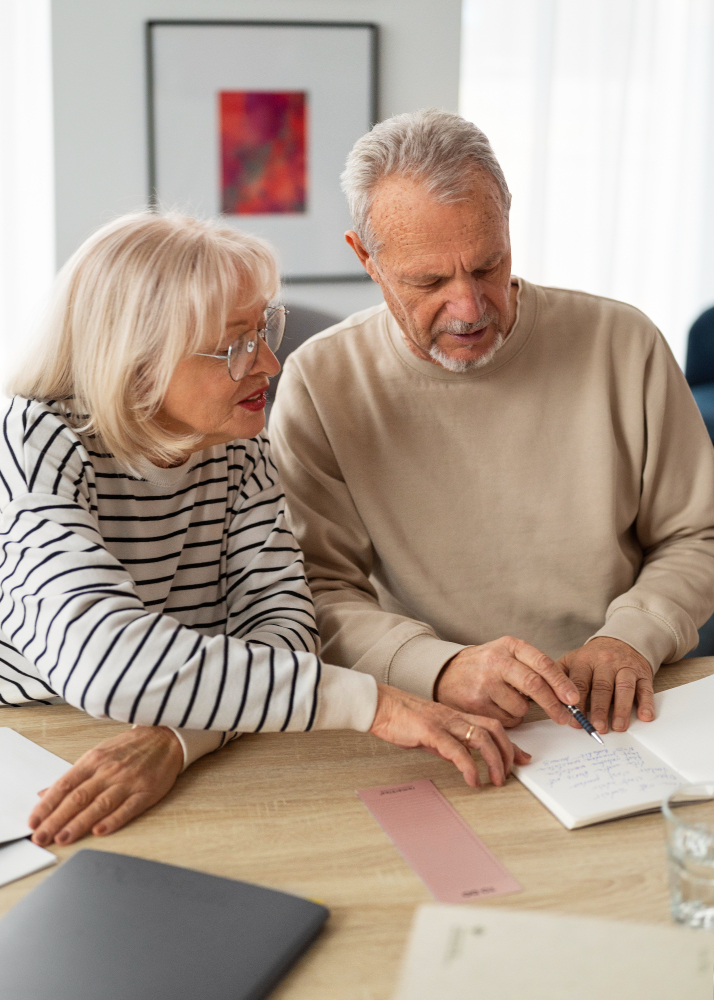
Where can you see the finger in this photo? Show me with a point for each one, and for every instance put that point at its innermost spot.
(449, 748)
(490, 752)
(103, 805)
(625, 688)
(601, 692)
(507, 702)
(502, 742)
(521, 756)
(129, 809)
(551, 672)
(497, 712)
(645, 700)
(536, 687)
(52, 796)
(73, 803)
(581, 674)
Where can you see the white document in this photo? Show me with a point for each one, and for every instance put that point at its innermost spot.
(472, 953)
(21, 858)
(25, 769)
(582, 782)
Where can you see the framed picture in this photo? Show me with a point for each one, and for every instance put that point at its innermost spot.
(251, 121)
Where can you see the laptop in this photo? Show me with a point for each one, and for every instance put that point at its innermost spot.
(115, 927)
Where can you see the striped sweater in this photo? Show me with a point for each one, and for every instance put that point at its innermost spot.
(178, 598)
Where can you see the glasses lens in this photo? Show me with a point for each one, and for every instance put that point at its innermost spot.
(274, 327)
(243, 354)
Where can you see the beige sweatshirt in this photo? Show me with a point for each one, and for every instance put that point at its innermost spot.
(565, 490)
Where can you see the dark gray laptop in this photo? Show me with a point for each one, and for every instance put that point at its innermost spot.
(111, 927)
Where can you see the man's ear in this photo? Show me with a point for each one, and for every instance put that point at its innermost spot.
(364, 258)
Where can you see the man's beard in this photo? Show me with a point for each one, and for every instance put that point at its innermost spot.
(459, 326)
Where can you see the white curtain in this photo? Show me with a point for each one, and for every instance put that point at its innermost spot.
(27, 253)
(602, 115)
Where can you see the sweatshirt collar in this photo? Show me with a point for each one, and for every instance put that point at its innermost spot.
(515, 341)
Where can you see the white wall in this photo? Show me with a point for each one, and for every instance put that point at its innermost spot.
(100, 97)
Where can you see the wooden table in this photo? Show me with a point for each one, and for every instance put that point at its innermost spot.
(281, 810)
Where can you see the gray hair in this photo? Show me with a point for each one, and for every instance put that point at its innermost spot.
(439, 149)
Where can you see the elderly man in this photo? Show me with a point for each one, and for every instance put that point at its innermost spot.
(485, 475)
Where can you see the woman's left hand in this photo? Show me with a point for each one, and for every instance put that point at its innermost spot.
(108, 786)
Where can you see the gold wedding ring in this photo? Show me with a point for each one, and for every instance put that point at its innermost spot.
(469, 734)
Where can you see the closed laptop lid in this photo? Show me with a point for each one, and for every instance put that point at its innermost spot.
(115, 927)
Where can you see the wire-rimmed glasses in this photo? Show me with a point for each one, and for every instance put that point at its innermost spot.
(243, 351)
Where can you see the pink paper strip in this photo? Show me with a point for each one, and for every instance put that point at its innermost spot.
(437, 843)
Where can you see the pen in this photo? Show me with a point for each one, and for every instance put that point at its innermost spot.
(587, 726)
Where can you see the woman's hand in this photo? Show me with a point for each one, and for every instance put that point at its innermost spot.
(108, 786)
(409, 721)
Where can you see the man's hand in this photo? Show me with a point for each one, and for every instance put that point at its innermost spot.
(497, 679)
(411, 722)
(605, 666)
(108, 786)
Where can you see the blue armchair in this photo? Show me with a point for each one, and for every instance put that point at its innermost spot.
(699, 370)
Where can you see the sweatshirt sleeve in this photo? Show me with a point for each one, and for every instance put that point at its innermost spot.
(354, 630)
(673, 594)
(72, 610)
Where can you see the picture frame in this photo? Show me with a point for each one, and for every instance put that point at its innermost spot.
(251, 122)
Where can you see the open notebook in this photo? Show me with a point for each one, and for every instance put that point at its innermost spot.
(583, 783)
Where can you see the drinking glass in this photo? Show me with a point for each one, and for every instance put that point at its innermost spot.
(689, 820)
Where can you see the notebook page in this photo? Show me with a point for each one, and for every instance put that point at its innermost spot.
(582, 782)
(682, 733)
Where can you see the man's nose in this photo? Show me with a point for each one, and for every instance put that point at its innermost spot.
(465, 299)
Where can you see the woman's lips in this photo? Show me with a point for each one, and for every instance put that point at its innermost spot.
(255, 402)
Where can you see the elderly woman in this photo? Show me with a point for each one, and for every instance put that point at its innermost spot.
(148, 574)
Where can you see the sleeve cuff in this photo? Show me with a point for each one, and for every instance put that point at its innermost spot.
(348, 699)
(418, 662)
(197, 743)
(648, 633)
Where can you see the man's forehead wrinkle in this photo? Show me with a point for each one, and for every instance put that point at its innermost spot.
(410, 224)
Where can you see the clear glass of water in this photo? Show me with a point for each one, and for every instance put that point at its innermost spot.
(689, 820)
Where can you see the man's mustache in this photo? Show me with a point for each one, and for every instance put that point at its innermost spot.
(460, 326)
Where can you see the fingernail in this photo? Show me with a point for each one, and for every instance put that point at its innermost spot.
(40, 839)
(647, 714)
(99, 830)
(63, 837)
(618, 723)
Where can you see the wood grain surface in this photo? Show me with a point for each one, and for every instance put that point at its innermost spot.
(281, 810)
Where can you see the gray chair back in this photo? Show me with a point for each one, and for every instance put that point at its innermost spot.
(300, 325)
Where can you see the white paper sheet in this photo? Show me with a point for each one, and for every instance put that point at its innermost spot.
(21, 858)
(25, 769)
(472, 953)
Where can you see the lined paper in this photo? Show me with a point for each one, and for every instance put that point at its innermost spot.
(437, 843)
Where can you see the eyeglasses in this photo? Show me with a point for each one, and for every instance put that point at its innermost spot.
(243, 351)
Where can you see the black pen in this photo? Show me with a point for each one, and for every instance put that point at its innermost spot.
(587, 726)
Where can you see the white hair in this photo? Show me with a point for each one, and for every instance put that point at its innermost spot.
(139, 295)
(439, 149)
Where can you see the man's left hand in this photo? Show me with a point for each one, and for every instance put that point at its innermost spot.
(610, 671)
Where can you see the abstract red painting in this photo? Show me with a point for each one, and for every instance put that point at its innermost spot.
(263, 151)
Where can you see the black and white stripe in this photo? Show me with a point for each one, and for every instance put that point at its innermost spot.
(177, 599)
